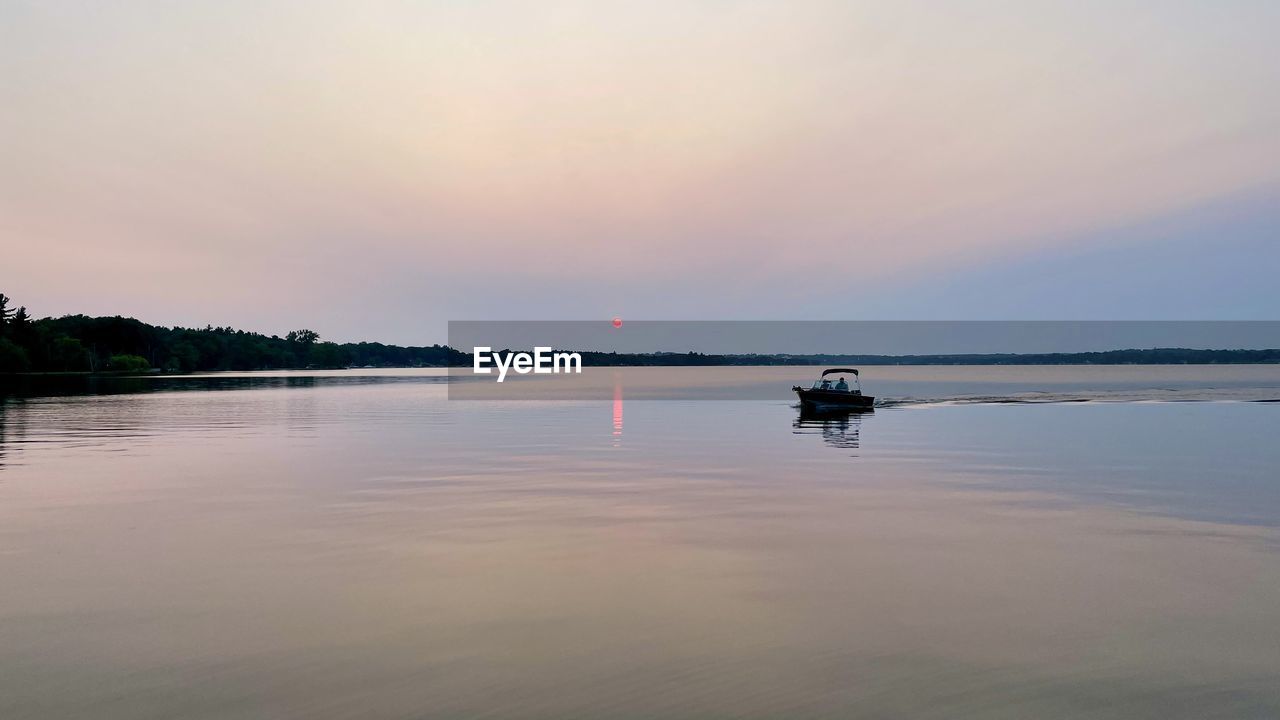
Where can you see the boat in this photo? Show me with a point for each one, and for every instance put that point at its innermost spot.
(824, 396)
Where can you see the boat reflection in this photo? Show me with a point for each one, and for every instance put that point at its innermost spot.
(839, 428)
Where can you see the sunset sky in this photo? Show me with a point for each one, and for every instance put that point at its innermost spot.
(374, 169)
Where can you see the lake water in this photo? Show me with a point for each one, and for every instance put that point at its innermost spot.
(990, 543)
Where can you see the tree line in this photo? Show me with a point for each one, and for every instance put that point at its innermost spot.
(78, 343)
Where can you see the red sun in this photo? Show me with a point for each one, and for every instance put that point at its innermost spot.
(617, 322)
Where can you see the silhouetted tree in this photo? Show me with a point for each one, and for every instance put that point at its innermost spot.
(128, 363)
(305, 338)
(5, 312)
(13, 358)
(329, 355)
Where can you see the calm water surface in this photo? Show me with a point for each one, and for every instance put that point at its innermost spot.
(356, 545)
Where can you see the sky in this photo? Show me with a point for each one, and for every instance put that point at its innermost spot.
(372, 170)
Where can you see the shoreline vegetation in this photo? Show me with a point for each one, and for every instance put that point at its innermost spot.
(83, 345)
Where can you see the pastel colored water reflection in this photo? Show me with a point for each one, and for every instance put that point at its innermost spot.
(359, 546)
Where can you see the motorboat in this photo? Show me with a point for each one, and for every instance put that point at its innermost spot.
(825, 396)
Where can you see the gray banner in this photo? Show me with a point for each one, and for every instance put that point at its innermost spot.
(671, 359)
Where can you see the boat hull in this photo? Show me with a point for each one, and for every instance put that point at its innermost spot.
(834, 399)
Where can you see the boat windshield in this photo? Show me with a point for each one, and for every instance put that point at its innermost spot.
(841, 385)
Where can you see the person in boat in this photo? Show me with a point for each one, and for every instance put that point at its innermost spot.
(842, 385)
(826, 384)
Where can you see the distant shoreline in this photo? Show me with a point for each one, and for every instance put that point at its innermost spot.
(79, 345)
(1153, 356)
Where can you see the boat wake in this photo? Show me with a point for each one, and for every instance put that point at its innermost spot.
(1249, 395)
